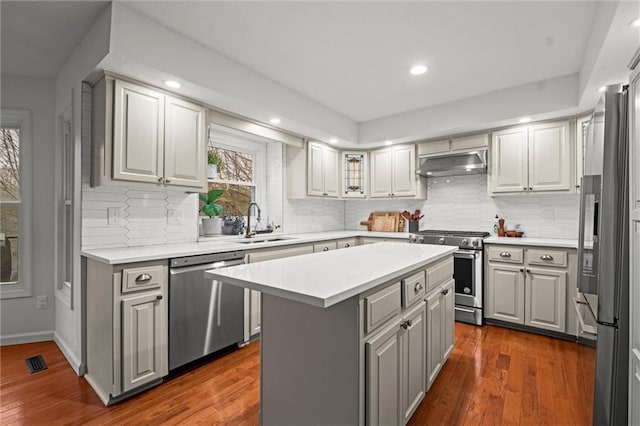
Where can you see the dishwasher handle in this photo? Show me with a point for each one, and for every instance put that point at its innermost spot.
(205, 266)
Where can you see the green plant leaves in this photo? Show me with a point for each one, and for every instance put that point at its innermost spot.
(210, 207)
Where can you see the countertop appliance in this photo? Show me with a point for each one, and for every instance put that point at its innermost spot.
(204, 315)
(603, 251)
(467, 269)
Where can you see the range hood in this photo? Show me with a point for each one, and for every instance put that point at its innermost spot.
(461, 163)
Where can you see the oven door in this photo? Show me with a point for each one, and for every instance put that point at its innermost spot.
(467, 273)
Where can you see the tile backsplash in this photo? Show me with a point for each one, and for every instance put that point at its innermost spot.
(462, 203)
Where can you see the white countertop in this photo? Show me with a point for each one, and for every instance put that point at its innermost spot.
(223, 244)
(527, 241)
(324, 279)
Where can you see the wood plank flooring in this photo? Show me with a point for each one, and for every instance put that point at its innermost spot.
(494, 376)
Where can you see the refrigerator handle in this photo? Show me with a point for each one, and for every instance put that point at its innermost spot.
(596, 208)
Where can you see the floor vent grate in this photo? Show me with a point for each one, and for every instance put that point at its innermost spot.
(35, 364)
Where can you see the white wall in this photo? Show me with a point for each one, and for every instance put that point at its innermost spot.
(20, 320)
(463, 204)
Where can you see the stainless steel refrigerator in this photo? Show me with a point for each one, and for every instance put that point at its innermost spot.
(603, 252)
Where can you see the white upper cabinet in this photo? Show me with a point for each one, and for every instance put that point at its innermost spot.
(322, 170)
(138, 133)
(144, 136)
(532, 159)
(184, 143)
(393, 172)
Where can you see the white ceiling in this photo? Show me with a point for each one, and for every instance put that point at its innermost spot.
(38, 36)
(354, 57)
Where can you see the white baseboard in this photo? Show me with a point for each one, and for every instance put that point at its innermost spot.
(16, 339)
(71, 357)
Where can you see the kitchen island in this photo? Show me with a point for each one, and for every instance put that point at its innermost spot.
(346, 335)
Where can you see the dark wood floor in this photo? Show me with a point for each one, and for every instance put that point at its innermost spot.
(494, 376)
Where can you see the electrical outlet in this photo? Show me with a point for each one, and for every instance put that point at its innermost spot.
(114, 216)
(548, 215)
(41, 302)
(174, 217)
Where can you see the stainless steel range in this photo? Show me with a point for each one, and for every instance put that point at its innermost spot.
(467, 269)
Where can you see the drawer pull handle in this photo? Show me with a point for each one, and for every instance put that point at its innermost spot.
(142, 277)
(325, 249)
(347, 245)
(528, 271)
(505, 254)
(418, 287)
(159, 297)
(406, 324)
(546, 257)
(445, 292)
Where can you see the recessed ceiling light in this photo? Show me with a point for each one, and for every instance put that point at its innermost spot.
(524, 120)
(388, 142)
(274, 120)
(602, 89)
(172, 84)
(418, 69)
(635, 23)
(333, 141)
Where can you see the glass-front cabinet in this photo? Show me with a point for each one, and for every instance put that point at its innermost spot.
(354, 174)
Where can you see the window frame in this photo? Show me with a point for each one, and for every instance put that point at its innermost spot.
(246, 143)
(21, 119)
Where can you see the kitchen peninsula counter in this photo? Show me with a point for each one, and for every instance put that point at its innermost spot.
(323, 317)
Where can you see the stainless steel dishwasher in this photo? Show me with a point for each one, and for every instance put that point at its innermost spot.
(204, 315)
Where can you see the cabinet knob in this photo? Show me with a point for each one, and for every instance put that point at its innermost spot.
(521, 270)
(347, 245)
(445, 292)
(160, 180)
(524, 187)
(167, 181)
(325, 249)
(142, 277)
(505, 254)
(324, 193)
(530, 189)
(546, 257)
(528, 271)
(159, 297)
(404, 325)
(418, 287)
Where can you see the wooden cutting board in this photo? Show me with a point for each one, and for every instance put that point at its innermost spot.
(384, 222)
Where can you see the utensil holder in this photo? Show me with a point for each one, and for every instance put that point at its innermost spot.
(413, 226)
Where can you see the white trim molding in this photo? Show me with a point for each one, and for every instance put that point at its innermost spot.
(20, 338)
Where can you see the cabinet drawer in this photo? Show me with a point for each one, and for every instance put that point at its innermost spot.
(413, 288)
(382, 305)
(439, 272)
(350, 242)
(505, 254)
(547, 257)
(135, 279)
(330, 245)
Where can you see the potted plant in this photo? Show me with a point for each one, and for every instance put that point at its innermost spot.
(213, 224)
(214, 165)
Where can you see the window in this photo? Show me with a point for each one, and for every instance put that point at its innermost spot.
(14, 226)
(66, 212)
(240, 169)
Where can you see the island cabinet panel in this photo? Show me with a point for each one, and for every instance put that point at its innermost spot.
(414, 350)
(435, 315)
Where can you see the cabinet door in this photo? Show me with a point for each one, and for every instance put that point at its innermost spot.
(330, 160)
(144, 343)
(315, 172)
(383, 375)
(414, 360)
(381, 173)
(403, 171)
(184, 144)
(546, 296)
(505, 293)
(255, 314)
(550, 160)
(435, 316)
(509, 160)
(448, 331)
(138, 133)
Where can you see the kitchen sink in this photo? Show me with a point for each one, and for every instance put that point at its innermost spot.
(262, 240)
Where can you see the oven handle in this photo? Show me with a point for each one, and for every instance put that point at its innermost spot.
(465, 254)
(470, 311)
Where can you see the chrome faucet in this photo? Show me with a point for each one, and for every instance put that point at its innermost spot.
(250, 234)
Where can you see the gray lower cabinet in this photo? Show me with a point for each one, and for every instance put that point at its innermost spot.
(126, 316)
(530, 286)
(440, 328)
(413, 341)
